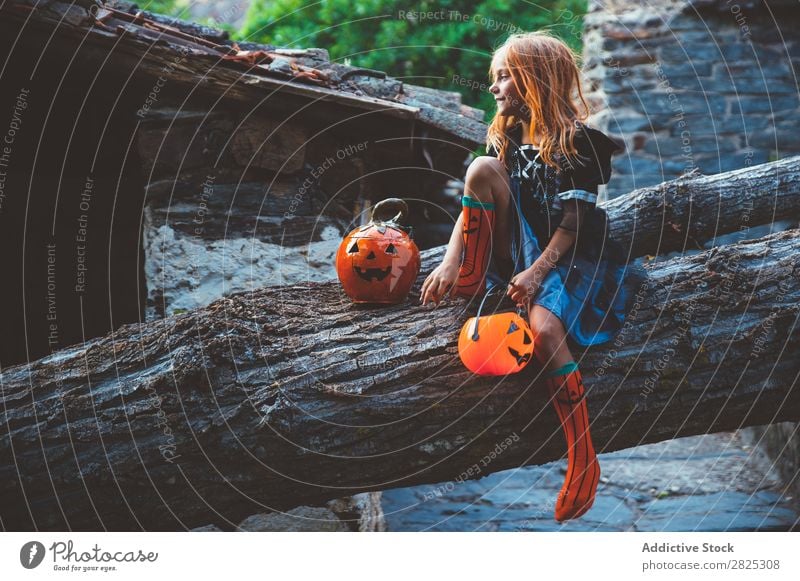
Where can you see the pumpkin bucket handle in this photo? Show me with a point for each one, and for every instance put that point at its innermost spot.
(480, 308)
(521, 311)
(389, 210)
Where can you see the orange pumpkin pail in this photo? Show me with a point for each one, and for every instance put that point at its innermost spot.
(379, 262)
(498, 344)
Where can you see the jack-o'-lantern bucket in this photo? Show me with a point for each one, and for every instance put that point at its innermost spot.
(498, 344)
(379, 262)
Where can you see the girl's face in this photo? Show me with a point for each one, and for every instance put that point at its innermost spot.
(509, 101)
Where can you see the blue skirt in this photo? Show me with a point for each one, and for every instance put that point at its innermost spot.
(589, 296)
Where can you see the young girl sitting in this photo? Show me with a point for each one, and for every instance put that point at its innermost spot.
(529, 224)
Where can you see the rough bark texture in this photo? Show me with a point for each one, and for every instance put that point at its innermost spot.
(684, 213)
(293, 395)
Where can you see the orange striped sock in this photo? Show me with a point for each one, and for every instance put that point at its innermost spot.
(477, 236)
(583, 470)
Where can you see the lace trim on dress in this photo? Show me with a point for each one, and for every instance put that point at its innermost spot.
(524, 166)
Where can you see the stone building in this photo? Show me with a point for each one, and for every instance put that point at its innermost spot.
(706, 84)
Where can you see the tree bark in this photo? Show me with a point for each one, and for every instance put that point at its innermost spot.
(685, 212)
(293, 395)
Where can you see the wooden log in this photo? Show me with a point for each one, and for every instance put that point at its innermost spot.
(685, 212)
(293, 395)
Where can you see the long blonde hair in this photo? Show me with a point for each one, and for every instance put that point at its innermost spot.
(545, 72)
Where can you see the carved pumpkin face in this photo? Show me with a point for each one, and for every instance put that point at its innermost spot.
(501, 345)
(377, 263)
(472, 226)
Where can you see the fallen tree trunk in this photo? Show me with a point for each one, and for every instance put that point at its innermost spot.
(293, 395)
(683, 213)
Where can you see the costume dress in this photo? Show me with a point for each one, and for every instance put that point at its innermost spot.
(587, 289)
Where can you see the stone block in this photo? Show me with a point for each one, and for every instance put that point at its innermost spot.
(775, 70)
(625, 124)
(749, 104)
(688, 68)
(681, 124)
(626, 84)
(678, 52)
(718, 164)
(632, 56)
(663, 105)
(745, 86)
(302, 518)
(687, 21)
(170, 143)
(671, 146)
(785, 141)
(269, 144)
(638, 165)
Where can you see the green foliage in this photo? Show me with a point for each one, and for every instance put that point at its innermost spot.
(449, 48)
(181, 9)
(165, 7)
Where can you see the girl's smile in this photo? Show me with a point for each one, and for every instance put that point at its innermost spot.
(505, 94)
(509, 101)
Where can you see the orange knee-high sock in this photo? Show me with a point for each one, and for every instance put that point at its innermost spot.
(583, 471)
(477, 236)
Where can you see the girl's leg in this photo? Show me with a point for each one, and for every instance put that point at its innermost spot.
(486, 221)
(565, 387)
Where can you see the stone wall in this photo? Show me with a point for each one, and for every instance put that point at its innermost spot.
(236, 203)
(781, 442)
(704, 84)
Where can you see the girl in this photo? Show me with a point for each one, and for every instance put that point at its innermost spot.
(529, 224)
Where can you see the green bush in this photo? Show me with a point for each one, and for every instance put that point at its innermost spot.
(181, 9)
(175, 8)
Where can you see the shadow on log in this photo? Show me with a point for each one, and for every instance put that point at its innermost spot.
(293, 395)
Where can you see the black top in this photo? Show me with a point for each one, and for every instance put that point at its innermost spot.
(543, 189)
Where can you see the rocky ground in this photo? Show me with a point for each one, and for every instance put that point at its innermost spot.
(717, 482)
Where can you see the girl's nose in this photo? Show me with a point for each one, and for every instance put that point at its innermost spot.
(493, 88)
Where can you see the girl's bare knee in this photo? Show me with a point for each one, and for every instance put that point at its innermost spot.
(547, 329)
(550, 340)
(486, 179)
(486, 166)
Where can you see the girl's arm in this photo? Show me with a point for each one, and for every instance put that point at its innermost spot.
(525, 285)
(443, 278)
(456, 245)
(564, 236)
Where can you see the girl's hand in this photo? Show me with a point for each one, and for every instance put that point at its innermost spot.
(440, 283)
(524, 286)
